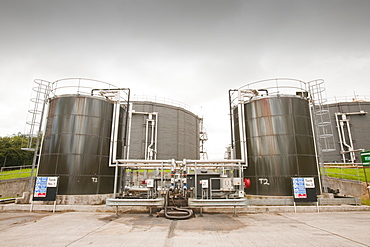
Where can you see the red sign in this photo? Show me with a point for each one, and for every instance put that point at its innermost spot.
(40, 195)
(301, 195)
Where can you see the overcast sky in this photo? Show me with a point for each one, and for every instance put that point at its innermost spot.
(190, 51)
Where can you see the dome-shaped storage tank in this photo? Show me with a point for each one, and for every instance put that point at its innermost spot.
(76, 145)
(351, 115)
(278, 137)
(163, 131)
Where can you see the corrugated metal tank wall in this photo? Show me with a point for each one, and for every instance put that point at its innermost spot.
(280, 144)
(360, 127)
(178, 131)
(76, 145)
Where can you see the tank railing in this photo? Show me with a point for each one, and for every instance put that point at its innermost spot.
(272, 87)
(279, 83)
(277, 89)
(79, 86)
(162, 100)
(113, 94)
(170, 162)
(234, 98)
(354, 98)
(276, 81)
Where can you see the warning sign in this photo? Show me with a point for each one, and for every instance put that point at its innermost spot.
(299, 188)
(304, 189)
(45, 189)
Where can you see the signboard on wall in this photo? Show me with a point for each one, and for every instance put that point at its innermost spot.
(365, 158)
(304, 189)
(45, 189)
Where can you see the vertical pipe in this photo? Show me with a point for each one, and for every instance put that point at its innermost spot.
(112, 135)
(242, 127)
(314, 133)
(156, 135)
(127, 115)
(195, 181)
(151, 150)
(231, 122)
(162, 179)
(129, 132)
(340, 137)
(115, 140)
(146, 139)
(352, 154)
(115, 181)
(344, 137)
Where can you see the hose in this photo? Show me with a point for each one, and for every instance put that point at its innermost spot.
(178, 217)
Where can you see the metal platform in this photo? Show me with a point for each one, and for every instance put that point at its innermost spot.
(201, 203)
(159, 202)
(196, 203)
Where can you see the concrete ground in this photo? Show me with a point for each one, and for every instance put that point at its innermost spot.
(22, 228)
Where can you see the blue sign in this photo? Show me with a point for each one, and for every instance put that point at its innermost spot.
(299, 188)
(41, 186)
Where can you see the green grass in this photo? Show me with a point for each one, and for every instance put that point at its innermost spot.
(348, 173)
(23, 173)
(365, 202)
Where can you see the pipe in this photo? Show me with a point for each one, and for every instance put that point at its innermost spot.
(178, 217)
(352, 155)
(340, 136)
(156, 135)
(108, 89)
(265, 90)
(150, 149)
(115, 140)
(115, 120)
(146, 138)
(231, 120)
(129, 131)
(125, 143)
(242, 132)
(115, 181)
(153, 133)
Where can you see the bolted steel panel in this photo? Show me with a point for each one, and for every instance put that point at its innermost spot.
(280, 144)
(178, 131)
(76, 144)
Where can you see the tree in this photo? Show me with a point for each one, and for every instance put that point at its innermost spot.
(11, 153)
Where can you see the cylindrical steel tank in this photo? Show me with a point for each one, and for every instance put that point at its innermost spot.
(280, 143)
(352, 123)
(76, 145)
(172, 132)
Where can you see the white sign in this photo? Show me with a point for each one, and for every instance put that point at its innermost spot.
(309, 183)
(42, 183)
(52, 182)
